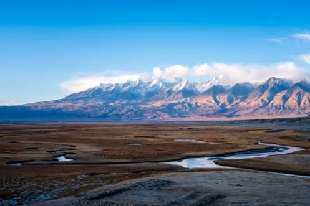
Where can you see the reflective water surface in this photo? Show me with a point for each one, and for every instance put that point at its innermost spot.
(63, 159)
(208, 162)
(15, 164)
(188, 140)
(134, 144)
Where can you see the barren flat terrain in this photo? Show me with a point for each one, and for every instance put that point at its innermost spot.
(33, 167)
(199, 188)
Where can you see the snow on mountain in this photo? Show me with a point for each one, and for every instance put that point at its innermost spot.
(157, 84)
(184, 85)
(220, 80)
(135, 86)
(159, 89)
(139, 86)
(161, 99)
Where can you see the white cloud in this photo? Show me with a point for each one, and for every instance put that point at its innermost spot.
(157, 72)
(305, 58)
(278, 40)
(236, 72)
(78, 84)
(305, 36)
(172, 72)
(9, 103)
(204, 69)
(251, 73)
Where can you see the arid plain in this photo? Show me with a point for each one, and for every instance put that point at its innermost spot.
(110, 156)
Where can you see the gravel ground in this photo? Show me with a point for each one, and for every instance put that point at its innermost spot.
(219, 188)
(29, 192)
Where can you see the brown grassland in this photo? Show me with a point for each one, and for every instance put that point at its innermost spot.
(101, 153)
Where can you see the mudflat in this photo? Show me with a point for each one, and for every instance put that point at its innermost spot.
(105, 154)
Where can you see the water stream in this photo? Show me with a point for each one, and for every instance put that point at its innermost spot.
(134, 144)
(63, 159)
(208, 162)
(188, 140)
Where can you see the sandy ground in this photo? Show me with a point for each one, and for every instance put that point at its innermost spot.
(94, 146)
(199, 188)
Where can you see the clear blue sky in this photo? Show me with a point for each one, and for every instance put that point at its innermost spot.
(46, 42)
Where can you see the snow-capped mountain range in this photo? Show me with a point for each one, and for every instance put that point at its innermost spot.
(159, 99)
(138, 88)
(157, 84)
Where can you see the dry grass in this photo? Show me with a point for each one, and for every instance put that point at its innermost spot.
(98, 144)
(105, 143)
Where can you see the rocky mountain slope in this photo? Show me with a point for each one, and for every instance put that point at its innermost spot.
(158, 99)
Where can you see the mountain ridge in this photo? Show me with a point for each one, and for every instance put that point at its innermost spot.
(161, 100)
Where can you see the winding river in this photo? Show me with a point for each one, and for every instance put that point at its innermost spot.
(208, 162)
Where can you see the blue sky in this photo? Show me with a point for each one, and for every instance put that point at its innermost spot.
(51, 48)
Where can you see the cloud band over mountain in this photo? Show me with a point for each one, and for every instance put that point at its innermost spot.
(237, 73)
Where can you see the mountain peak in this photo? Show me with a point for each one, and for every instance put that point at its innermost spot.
(271, 80)
(278, 81)
(219, 80)
(242, 89)
(215, 90)
(161, 99)
(304, 81)
(159, 84)
(304, 84)
(183, 84)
